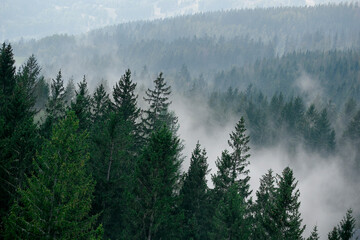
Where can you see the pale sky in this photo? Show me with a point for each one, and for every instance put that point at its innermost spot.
(39, 18)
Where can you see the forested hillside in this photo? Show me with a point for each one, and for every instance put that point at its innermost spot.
(239, 124)
(206, 42)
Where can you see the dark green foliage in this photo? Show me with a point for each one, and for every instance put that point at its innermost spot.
(229, 221)
(55, 108)
(157, 176)
(18, 134)
(195, 197)
(56, 200)
(347, 226)
(345, 230)
(314, 234)
(288, 218)
(158, 113)
(334, 234)
(101, 104)
(125, 100)
(265, 226)
(232, 190)
(82, 105)
(7, 70)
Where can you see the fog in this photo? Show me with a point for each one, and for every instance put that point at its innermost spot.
(326, 190)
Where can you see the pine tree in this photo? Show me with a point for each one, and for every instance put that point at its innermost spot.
(82, 105)
(101, 104)
(194, 194)
(158, 112)
(55, 109)
(314, 234)
(18, 135)
(156, 195)
(125, 98)
(347, 226)
(69, 94)
(231, 187)
(325, 136)
(288, 217)
(265, 227)
(7, 70)
(229, 221)
(56, 200)
(334, 234)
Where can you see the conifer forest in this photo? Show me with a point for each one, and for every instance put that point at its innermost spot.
(227, 124)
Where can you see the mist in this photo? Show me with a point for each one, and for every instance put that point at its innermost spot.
(327, 189)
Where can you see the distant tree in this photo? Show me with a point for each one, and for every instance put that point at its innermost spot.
(325, 135)
(101, 104)
(82, 105)
(69, 94)
(314, 234)
(56, 200)
(55, 108)
(195, 197)
(158, 113)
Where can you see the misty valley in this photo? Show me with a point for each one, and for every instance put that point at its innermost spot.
(232, 124)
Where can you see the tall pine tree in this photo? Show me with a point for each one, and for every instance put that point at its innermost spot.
(56, 201)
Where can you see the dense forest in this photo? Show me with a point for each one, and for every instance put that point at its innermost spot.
(100, 167)
(171, 149)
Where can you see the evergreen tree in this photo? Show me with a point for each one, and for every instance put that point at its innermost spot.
(55, 109)
(334, 234)
(265, 227)
(194, 194)
(325, 136)
(101, 104)
(82, 105)
(69, 94)
(7, 70)
(231, 188)
(314, 234)
(229, 221)
(156, 195)
(57, 198)
(18, 135)
(125, 100)
(158, 112)
(347, 226)
(288, 217)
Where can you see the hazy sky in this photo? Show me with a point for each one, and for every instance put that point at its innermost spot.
(39, 18)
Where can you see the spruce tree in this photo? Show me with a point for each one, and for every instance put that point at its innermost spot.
(158, 112)
(265, 227)
(18, 134)
(347, 226)
(82, 105)
(101, 104)
(56, 106)
(314, 234)
(156, 212)
(334, 234)
(56, 201)
(125, 100)
(288, 218)
(231, 187)
(195, 197)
